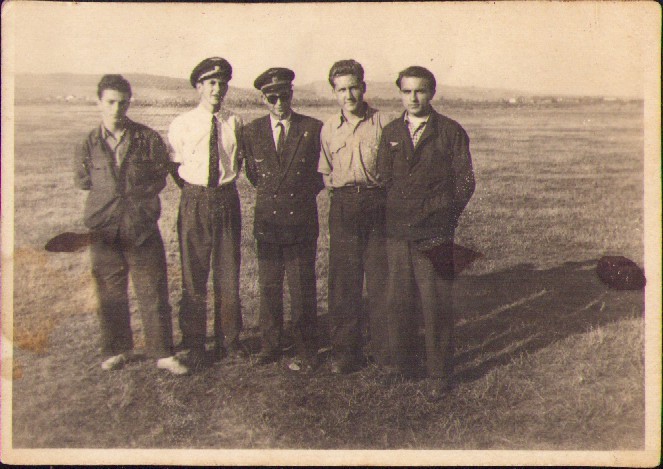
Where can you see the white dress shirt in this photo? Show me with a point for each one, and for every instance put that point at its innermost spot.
(276, 130)
(189, 136)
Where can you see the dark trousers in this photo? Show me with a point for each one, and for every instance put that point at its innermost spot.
(356, 249)
(112, 264)
(209, 227)
(411, 274)
(298, 262)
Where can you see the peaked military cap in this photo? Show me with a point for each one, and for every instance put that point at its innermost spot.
(209, 68)
(274, 78)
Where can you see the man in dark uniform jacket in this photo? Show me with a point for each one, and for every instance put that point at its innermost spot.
(123, 166)
(424, 162)
(281, 154)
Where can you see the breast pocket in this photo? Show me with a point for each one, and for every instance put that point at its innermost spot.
(101, 173)
(337, 150)
(369, 155)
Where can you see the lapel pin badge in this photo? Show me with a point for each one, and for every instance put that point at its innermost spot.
(393, 144)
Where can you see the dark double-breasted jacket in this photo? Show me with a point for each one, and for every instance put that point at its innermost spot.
(428, 186)
(124, 197)
(286, 210)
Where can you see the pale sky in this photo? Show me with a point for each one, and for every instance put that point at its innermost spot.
(586, 48)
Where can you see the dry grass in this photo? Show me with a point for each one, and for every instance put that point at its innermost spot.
(547, 357)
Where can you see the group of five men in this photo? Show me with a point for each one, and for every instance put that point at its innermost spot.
(395, 189)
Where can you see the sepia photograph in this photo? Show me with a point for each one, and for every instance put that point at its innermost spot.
(384, 233)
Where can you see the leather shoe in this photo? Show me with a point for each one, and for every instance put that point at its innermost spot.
(236, 352)
(266, 357)
(440, 387)
(304, 365)
(343, 366)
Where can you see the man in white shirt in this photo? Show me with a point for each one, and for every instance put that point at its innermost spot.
(205, 143)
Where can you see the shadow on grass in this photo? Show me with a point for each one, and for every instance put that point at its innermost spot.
(501, 315)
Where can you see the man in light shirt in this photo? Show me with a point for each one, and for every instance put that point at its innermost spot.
(205, 143)
(349, 142)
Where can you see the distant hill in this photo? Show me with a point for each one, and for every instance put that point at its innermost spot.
(155, 89)
(82, 87)
(388, 90)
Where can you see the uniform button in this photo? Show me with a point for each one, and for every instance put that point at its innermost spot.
(274, 212)
(263, 174)
(274, 196)
(292, 195)
(291, 213)
(298, 172)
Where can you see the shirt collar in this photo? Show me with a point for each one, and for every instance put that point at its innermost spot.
(414, 120)
(369, 114)
(202, 109)
(105, 133)
(274, 121)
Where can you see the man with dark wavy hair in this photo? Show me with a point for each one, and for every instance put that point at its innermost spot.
(123, 166)
(425, 164)
(349, 142)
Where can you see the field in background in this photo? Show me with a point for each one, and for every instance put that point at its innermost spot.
(547, 357)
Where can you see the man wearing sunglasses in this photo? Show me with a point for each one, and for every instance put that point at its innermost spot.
(281, 153)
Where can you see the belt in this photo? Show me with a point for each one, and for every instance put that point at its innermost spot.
(355, 189)
(198, 188)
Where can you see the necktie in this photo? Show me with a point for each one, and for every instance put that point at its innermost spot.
(213, 180)
(280, 141)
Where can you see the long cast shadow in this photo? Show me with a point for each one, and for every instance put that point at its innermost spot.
(502, 315)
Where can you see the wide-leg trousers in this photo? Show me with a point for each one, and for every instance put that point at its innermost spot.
(297, 262)
(113, 262)
(411, 275)
(209, 227)
(356, 251)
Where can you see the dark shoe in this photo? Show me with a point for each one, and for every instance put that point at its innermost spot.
(395, 375)
(304, 365)
(193, 360)
(343, 365)
(236, 352)
(265, 357)
(440, 387)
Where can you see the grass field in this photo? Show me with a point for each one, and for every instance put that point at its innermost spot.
(547, 357)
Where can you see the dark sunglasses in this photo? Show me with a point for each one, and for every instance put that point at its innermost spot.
(273, 98)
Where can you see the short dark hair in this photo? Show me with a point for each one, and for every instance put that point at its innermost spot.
(346, 67)
(417, 72)
(113, 82)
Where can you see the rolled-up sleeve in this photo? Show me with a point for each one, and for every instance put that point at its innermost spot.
(175, 141)
(325, 164)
